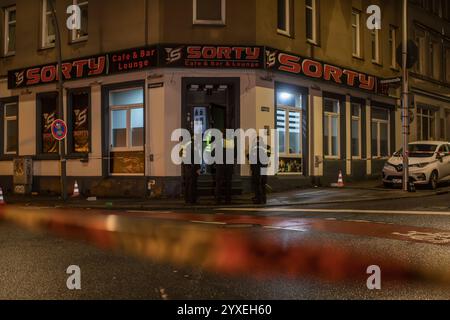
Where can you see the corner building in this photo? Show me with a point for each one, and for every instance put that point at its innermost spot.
(139, 69)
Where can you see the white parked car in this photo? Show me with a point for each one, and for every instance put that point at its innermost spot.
(429, 164)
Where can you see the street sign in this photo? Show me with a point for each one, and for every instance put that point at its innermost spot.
(59, 129)
(391, 80)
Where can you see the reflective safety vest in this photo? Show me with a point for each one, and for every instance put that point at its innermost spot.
(207, 140)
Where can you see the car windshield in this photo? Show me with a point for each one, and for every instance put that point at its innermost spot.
(420, 150)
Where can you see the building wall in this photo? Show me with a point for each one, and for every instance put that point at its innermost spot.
(134, 23)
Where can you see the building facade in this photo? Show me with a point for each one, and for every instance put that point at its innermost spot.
(137, 70)
(429, 25)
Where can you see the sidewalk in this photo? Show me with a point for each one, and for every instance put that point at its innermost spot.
(355, 192)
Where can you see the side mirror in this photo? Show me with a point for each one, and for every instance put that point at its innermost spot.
(440, 156)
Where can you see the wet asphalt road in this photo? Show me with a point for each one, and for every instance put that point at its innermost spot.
(33, 263)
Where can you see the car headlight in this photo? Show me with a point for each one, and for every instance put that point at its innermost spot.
(420, 165)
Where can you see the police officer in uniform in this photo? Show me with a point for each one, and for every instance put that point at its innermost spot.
(259, 180)
(191, 171)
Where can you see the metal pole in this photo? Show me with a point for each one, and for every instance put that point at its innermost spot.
(62, 143)
(405, 98)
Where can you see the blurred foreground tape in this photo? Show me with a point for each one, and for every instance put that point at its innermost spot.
(218, 249)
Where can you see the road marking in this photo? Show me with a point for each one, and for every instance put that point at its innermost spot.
(436, 238)
(417, 213)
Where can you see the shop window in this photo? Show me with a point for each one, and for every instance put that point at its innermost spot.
(311, 21)
(82, 33)
(10, 31)
(356, 33)
(79, 121)
(289, 127)
(380, 133)
(331, 128)
(127, 131)
(285, 18)
(47, 114)
(426, 124)
(356, 130)
(9, 111)
(209, 12)
(47, 28)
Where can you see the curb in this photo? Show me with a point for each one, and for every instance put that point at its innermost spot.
(103, 206)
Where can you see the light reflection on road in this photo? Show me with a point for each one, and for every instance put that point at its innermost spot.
(231, 251)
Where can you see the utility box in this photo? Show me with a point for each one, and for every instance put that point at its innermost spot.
(23, 175)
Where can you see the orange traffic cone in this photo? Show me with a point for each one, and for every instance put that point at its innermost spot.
(340, 182)
(76, 190)
(2, 199)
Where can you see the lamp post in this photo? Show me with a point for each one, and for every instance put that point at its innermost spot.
(62, 143)
(405, 98)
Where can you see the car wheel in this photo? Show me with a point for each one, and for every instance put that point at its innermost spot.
(433, 183)
(387, 185)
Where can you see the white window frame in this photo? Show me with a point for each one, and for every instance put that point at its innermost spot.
(46, 18)
(430, 115)
(375, 59)
(378, 123)
(328, 116)
(128, 108)
(287, 110)
(357, 29)
(313, 8)
(393, 42)
(220, 22)
(74, 33)
(359, 119)
(5, 129)
(288, 13)
(7, 25)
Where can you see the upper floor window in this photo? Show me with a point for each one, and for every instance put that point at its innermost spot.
(311, 21)
(285, 17)
(447, 64)
(356, 33)
(48, 28)
(434, 59)
(375, 41)
(393, 46)
(421, 44)
(10, 31)
(209, 12)
(82, 33)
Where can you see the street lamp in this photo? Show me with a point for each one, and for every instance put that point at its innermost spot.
(62, 143)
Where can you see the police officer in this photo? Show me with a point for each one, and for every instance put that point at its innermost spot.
(191, 171)
(259, 180)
